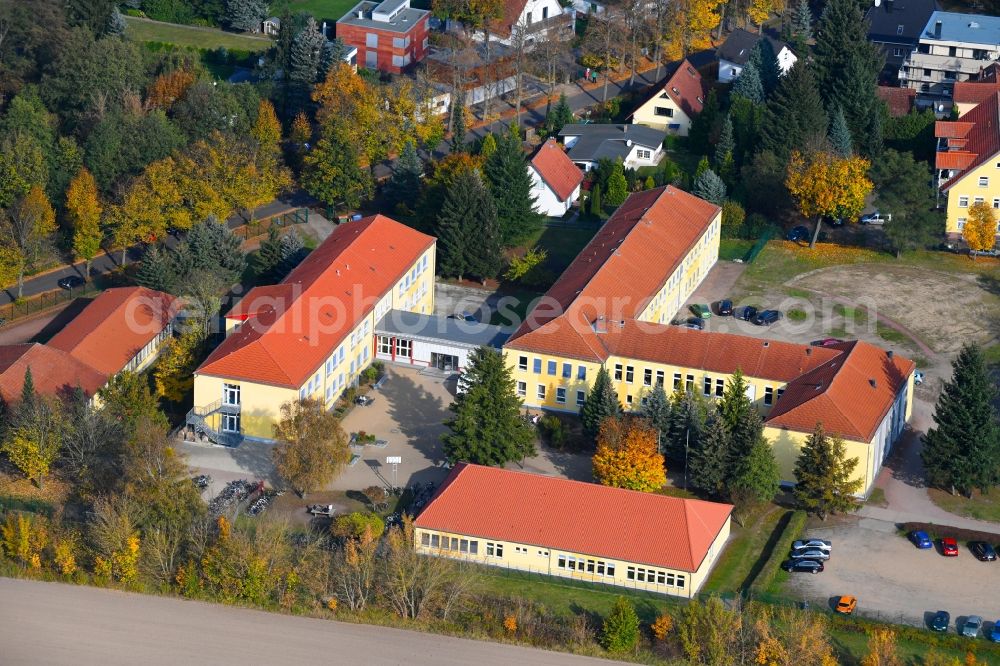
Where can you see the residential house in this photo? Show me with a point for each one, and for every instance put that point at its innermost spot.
(539, 19)
(313, 334)
(899, 101)
(124, 328)
(612, 306)
(271, 26)
(895, 26)
(571, 529)
(952, 47)
(480, 78)
(555, 179)
(633, 145)
(735, 51)
(673, 107)
(968, 161)
(390, 35)
(968, 94)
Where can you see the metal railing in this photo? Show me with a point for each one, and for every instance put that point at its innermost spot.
(44, 301)
(259, 227)
(197, 419)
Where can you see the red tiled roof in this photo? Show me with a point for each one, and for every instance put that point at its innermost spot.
(981, 126)
(954, 159)
(512, 10)
(557, 170)
(626, 525)
(53, 371)
(850, 394)
(617, 273)
(685, 87)
(115, 326)
(899, 100)
(291, 328)
(973, 92)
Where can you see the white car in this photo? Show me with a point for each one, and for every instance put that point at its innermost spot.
(811, 554)
(876, 218)
(819, 544)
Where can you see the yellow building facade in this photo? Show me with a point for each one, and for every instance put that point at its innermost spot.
(313, 335)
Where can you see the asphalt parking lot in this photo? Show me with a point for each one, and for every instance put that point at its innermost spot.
(895, 581)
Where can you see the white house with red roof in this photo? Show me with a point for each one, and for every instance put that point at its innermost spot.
(555, 179)
(672, 107)
(572, 529)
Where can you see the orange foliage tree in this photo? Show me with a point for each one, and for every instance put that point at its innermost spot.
(980, 229)
(627, 456)
(168, 87)
(824, 184)
(83, 212)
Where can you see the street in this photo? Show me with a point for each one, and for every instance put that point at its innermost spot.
(53, 623)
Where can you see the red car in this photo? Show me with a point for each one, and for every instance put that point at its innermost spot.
(949, 547)
(826, 342)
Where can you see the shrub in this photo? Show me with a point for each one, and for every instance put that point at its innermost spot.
(797, 314)
(620, 632)
(793, 528)
(352, 525)
(662, 627)
(553, 430)
(753, 226)
(938, 531)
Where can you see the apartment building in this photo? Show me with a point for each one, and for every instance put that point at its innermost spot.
(951, 47)
(390, 36)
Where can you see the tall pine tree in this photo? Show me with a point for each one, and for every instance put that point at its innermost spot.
(467, 229)
(725, 150)
(657, 412)
(708, 460)
(766, 62)
(506, 172)
(962, 451)
(749, 85)
(709, 187)
(840, 134)
(794, 117)
(487, 428)
(156, 271)
(304, 62)
(600, 403)
(688, 415)
(802, 22)
(823, 475)
(405, 184)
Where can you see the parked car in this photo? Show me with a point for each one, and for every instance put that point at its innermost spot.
(983, 551)
(920, 539)
(875, 218)
(725, 308)
(918, 377)
(746, 313)
(70, 282)
(971, 626)
(798, 233)
(811, 554)
(846, 604)
(949, 547)
(805, 566)
(994, 252)
(821, 544)
(994, 634)
(940, 621)
(364, 400)
(826, 342)
(700, 310)
(766, 318)
(465, 316)
(696, 323)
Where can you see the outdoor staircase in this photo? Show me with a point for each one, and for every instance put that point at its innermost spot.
(197, 419)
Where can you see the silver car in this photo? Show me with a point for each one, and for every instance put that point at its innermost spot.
(811, 554)
(821, 544)
(971, 626)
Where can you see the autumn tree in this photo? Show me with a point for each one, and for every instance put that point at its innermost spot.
(881, 648)
(627, 456)
(620, 631)
(357, 570)
(961, 451)
(412, 583)
(34, 438)
(707, 630)
(26, 230)
(601, 403)
(603, 42)
(169, 87)
(980, 230)
(311, 446)
(824, 475)
(174, 372)
(486, 427)
(826, 185)
(83, 211)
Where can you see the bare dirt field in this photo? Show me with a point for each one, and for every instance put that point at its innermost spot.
(895, 581)
(944, 310)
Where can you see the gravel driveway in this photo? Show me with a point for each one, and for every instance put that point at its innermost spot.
(897, 582)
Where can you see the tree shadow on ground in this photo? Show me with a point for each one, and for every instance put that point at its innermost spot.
(418, 415)
(255, 458)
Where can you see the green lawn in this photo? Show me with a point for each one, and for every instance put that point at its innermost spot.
(198, 37)
(980, 507)
(735, 569)
(562, 244)
(329, 10)
(734, 248)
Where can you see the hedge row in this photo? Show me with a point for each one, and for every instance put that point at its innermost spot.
(938, 531)
(782, 546)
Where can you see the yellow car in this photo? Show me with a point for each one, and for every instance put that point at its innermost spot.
(846, 604)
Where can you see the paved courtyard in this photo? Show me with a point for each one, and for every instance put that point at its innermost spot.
(408, 412)
(895, 581)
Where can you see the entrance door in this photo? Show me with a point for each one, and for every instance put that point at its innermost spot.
(444, 362)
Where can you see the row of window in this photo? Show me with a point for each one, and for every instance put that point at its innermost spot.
(962, 220)
(150, 347)
(644, 575)
(552, 368)
(598, 567)
(963, 202)
(403, 347)
(411, 277)
(522, 390)
(458, 545)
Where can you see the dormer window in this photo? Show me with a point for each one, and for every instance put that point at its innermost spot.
(899, 29)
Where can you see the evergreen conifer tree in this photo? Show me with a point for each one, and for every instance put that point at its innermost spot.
(596, 205)
(458, 128)
(704, 122)
(755, 478)
(506, 172)
(703, 166)
(794, 117)
(710, 187)
(657, 412)
(620, 631)
(600, 403)
(840, 135)
(749, 85)
(487, 428)
(617, 186)
(333, 52)
(708, 460)
(802, 22)
(724, 151)
(962, 451)
(468, 231)
(823, 475)
(293, 251)
(116, 22)
(28, 394)
(331, 170)
(688, 415)
(766, 62)
(155, 271)
(245, 15)
(488, 146)
(216, 249)
(406, 182)
(558, 116)
(268, 258)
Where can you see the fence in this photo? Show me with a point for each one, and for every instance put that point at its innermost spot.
(758, 247)
(256, 228)
(44, 301)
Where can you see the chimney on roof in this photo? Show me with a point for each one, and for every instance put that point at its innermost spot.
(809, 351)
(937, 29)
(600, 326)
(888, 353)
(767, 343)
(873, 382)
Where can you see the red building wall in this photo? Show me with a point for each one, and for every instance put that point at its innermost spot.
(356, 36)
